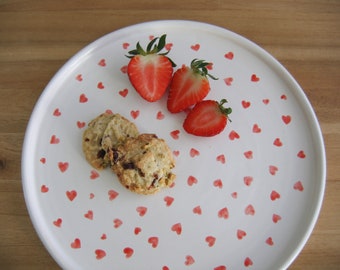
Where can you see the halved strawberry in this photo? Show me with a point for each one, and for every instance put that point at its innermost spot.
(150, 72)
(189, 85)
(207, 118)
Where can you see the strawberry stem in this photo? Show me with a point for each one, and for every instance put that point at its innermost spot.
(152, 48)
(200, 67)
(225, 111)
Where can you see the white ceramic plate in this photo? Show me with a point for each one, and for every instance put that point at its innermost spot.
(247, 198)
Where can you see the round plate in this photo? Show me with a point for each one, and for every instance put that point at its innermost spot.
(246, 198)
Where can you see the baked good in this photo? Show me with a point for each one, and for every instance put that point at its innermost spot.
(117, 131)
(104, 132)
(92, 141)
(143, 164)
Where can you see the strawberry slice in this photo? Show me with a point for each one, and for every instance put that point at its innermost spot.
(189, 85)
(207, 118)
(149, 71)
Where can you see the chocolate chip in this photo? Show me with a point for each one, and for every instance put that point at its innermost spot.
(101, 153)
(129, 166)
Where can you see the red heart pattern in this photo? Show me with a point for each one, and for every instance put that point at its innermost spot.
(193, 154)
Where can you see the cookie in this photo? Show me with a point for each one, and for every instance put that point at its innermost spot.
(117, 131)
(92, 141)
(143, 164)
(103, 133)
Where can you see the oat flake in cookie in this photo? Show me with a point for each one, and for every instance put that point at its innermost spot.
(143, 164)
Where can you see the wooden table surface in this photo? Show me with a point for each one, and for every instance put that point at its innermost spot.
(37, 37)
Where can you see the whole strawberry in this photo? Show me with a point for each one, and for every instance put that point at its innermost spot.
(207, 118)
(150, 71)
(189, 85)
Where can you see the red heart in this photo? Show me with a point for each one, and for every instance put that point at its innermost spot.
(274, 195)
(89, 215)
(286, 119)
(265, 101)
(153, 240)
(248, 262)
(112, 194)
(165, 268)
(63, 166)
(210, 240)
(233, 135)
(234, 195)
(168, 200)
(176, 153)
(175, 134)
(103, 237)
(284, 97)
(94, 175)
(123, 69)
(124, 92)
(160, 115)
(194, 152)
(141, 210)
(195, 47)
(189, 260)
(137, 230)
(71, 195)
(228, 81)
(58, 222)
(221, 267)
(54, 140)
(177, 228)
(100, 86)
(240, 234)
(254, 78)
(229, 55)
(79, 77)
(151, 37)
(134, 114)
(223, 213)
(56, 112)
(197, 210)
(273, 169)
(76, 243)
(108, 111)
(277, 142)
(218, 183)
(192, 180)
(43, 160)
(91, 196)
(250, 210)
(125, 45)
(247, 180)
(298, 186)
(102, 63)
(128, 252)
(44, 189)
(83, 98)
(301, 154)
(117, 223)
(248, 154)
(168, 46)
(100, 254)
(270, 241)
(256, 128)
(221, 158)
(245, 104)
(276, 218)
(80, 124)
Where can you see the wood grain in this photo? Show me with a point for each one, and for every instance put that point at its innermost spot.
(38, 37)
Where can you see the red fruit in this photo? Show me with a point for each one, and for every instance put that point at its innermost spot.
(150, 72)
(207, 118)
(189, 85)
